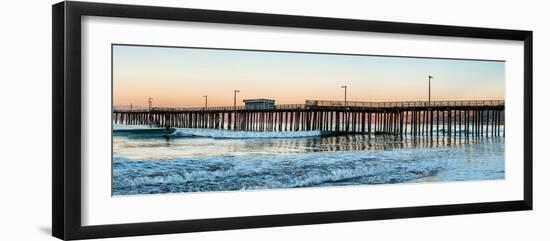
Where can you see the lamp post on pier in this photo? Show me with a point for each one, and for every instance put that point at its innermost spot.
(430, 90)
(205, 102)
(345, 87)
(235, 99)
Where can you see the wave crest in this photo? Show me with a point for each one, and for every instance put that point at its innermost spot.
(213, 133)
(267, 171)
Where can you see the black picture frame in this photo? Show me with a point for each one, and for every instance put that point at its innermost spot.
(66, 127)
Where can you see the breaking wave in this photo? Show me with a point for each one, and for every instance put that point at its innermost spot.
(212, 133)
(226, 173)
(189, 132)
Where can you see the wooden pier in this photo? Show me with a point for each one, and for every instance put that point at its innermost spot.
(415, 118)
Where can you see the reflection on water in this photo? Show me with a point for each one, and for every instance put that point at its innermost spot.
(166, 147)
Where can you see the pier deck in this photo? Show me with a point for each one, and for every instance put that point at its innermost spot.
(415, 118)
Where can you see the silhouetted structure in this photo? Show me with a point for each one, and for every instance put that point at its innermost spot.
(255, 104)
(416, 118)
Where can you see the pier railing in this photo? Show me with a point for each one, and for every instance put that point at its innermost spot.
(329, 103)
(333, 103)
(213, 108)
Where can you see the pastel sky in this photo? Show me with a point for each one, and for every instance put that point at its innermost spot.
(180, 77)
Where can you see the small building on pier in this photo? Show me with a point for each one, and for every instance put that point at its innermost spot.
(254, 104)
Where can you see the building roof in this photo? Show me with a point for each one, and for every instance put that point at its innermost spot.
(259, 100)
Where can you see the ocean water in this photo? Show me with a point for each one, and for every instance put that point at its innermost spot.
(153, 161)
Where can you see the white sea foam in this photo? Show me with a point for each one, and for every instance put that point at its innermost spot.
(270, 171)
(133, 127)
(187, 132)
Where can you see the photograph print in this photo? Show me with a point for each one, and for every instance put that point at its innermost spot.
(191, 119)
